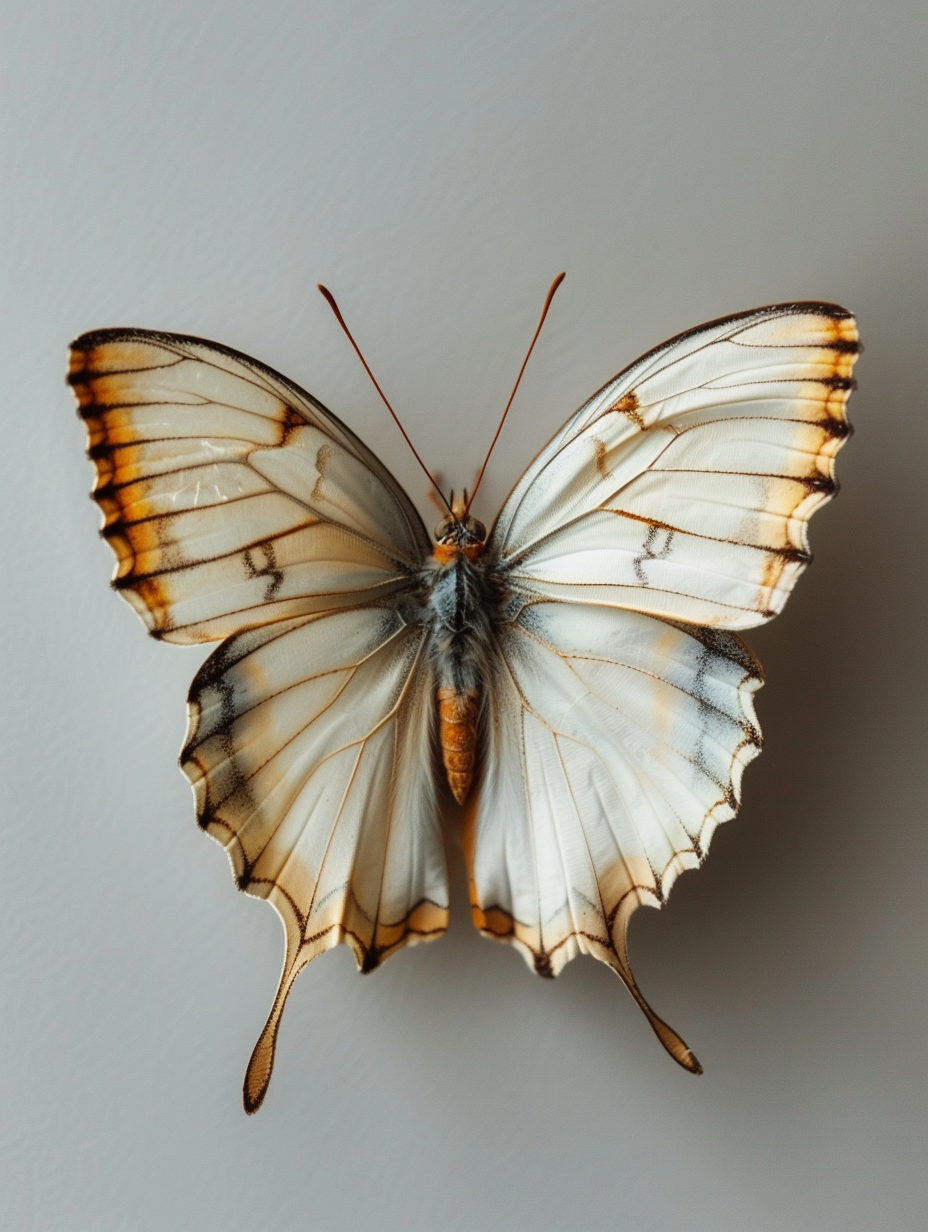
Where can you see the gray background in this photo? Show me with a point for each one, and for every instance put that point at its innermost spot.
(198, 168)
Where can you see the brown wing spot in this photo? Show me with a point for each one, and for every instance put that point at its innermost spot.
(795, 556)
(653, 549)
(843, 338)
(602, 454)
(543, 965)
(291, 421)
(825, 484)
(845, 346)
(839, 383)
(323, 453)
(628, 405)
(77, 366)
(82, 368)
(256, 567)
(837, 429)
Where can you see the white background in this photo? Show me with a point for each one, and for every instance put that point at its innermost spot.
(198, 168)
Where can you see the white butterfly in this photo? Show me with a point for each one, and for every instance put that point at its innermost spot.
(586, 646)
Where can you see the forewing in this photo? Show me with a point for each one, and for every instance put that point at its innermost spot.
(230, 496)
(684, 487)
(310, 753)
(614, 745)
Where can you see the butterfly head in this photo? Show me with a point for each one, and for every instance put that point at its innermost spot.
(459, 534)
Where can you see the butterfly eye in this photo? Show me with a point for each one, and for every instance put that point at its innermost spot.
(444, 529)
(477, 529)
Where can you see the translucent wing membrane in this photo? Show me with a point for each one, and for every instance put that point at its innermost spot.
(310, 753)
(683, 488)
(615, 744)
(230, 496)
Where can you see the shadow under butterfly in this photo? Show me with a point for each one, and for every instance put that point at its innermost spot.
(577, 671)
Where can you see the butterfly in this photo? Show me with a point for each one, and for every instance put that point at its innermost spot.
(574, 677)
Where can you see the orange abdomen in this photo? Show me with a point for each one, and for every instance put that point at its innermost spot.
(457, 732)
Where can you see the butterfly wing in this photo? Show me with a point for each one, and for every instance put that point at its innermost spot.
(670, 510)
(239, 508)
(310, 753)
(230, 496)
(684, 487)
(615, 744)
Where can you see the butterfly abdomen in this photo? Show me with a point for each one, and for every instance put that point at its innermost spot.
(457, 734)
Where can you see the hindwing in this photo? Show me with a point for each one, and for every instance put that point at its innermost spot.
(670, 509)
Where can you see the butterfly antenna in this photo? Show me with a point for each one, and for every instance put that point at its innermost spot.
(440, 505)
(531, 346)
(330, 300)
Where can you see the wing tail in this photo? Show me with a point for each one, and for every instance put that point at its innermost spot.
(261, 1064)
(673, 1043)
(618, 961)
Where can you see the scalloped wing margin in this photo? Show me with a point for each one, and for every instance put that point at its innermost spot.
(615, 744)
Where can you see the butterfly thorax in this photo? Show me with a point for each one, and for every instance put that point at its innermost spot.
(461, 599)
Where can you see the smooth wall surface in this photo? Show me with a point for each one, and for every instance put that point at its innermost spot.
(198, 168)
